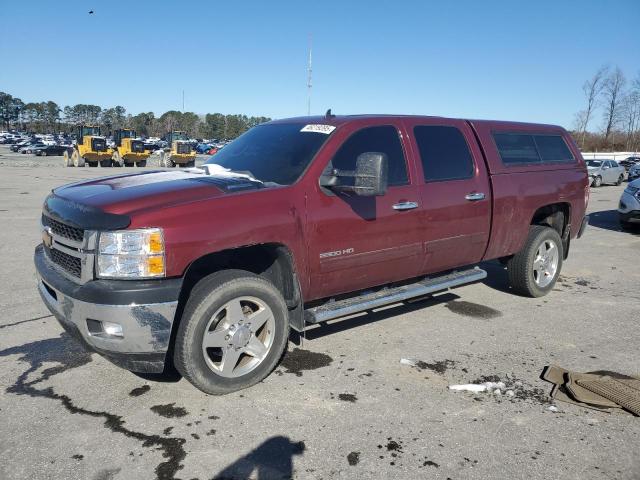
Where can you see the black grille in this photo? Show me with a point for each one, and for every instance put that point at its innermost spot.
(183, 148)
(137, 146)
(63, 230)
(98, 144)
(69, 263)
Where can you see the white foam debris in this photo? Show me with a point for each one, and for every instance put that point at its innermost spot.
(408, 361)
(509, 393)
(497, 392)
(469, 387)
(552, 408)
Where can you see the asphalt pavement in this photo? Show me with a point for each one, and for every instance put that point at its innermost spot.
(341, 405)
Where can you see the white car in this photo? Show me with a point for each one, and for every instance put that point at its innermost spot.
(629, 206)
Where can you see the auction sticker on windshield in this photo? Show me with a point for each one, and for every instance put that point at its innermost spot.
(326, 129)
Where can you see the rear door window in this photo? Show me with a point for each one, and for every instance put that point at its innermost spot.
(444, 153)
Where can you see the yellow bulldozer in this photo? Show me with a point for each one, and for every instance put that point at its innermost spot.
(90, 148)
(128, 150)
(179, 151)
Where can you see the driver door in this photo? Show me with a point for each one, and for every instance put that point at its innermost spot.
(356, 242)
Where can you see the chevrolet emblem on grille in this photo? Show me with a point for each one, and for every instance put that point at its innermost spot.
(47, 239)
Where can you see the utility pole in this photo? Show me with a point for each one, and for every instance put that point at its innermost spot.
(309, 78)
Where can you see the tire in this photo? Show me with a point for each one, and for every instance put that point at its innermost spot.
(210, 299)
(597, 182)
(620, 180)
(523, 277)
(66, 158)
(141, 163)
(116, 159)
(77, 160)
(191, 164)
(105, 163)
(168, 162)
(43, 153)
(92, 164)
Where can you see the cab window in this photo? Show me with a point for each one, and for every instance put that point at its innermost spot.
(383, 139)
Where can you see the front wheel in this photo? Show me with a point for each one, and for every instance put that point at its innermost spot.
(620, 179)
(233, 332)
(534, 270)
(597, 182)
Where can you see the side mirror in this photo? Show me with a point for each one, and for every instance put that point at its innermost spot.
(370, 177)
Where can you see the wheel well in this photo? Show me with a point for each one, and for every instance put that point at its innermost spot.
(271, 261)
(555, 216)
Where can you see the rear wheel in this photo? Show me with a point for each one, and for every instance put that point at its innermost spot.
(233, 332)
(191, 164)
(597, 182)
(77, 160)
(534, 270)
(141, 163)
(620, 180)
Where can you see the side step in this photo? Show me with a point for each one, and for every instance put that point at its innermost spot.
(388, 296)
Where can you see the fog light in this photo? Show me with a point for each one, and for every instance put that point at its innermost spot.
(112, 329)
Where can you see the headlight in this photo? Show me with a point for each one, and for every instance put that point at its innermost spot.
(131, 254)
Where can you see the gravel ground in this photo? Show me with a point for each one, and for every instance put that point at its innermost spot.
(341, 405)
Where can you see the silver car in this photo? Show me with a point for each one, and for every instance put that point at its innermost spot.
(629, 207)
(604, 171)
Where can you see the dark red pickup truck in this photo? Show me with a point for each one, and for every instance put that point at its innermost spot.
(301, 221)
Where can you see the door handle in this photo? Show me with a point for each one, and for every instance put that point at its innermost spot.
(474, 197)
(405, 206)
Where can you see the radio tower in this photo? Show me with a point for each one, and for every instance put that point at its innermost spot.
(309, 79)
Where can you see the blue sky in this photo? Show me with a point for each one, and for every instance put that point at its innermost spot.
(512, 60)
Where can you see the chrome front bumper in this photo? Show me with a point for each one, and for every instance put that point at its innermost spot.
(146, 327)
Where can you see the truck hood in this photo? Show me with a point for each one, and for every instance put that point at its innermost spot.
(124, 194)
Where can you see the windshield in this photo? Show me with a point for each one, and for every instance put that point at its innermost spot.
(593, 163)
(273, 153)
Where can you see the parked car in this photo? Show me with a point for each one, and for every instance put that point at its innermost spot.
(298, 222)
(48, 150)
(604, 171)
(17, 146)
(31, 147)
(634, 172)
(628, 162)
(629, 206)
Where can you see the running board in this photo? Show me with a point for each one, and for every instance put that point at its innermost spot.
(388, 296)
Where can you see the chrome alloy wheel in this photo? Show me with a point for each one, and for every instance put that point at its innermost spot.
(545, 264)
(238, 337)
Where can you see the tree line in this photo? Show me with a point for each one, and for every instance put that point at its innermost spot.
(48, 117)
(616, 101)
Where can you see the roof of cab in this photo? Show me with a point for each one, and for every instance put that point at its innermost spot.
(338, 120)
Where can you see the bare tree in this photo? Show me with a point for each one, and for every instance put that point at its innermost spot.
(631, 114)
(613, 95)
(592, 89)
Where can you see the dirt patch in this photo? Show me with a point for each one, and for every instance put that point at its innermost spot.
(169, 411)
(298, 361)
(136, 392)
(353, 458)
(348, 397)
(438, 367)
(474, 310)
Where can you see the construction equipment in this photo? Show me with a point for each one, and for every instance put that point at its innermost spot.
(179, 152)
(90, 148)
(128, 150)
